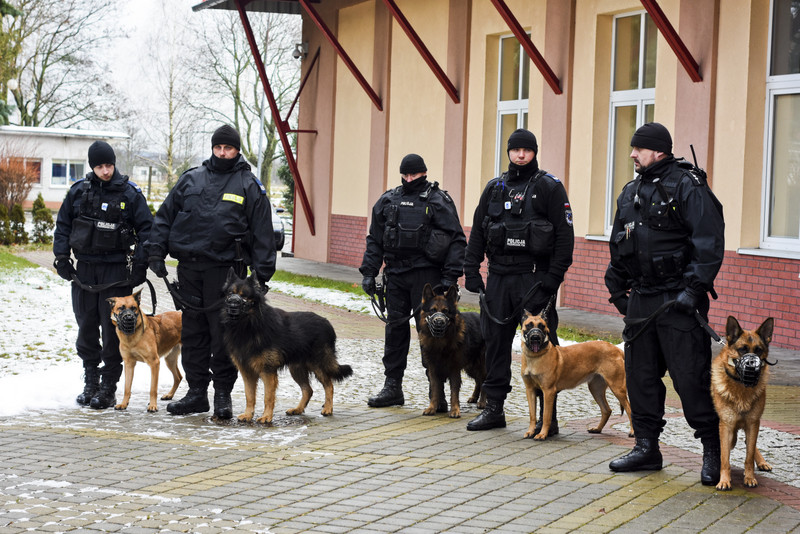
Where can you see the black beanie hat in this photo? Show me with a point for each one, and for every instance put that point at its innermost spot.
(412, 164)
(226, 135)
(101, 152)
(653, 136)
(522, 138)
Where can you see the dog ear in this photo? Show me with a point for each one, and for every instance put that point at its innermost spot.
(111, 302)
(452, 295)
(525, 315)
(231, 277)
(253, 278)
(732, 329)
(427, 293)
(138, 297)
(765, 330)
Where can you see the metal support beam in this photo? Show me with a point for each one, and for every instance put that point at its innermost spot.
(300, 90)
(423, 50)
(276, 115)
(312, 13)
(673, 39)
(527, 44)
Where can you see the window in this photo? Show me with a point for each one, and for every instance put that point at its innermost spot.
(32, 166)
(512, 95)
(66, 172)
(780, 228)
(633, 82)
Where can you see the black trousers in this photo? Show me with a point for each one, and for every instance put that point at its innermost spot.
(97, 337)
(203, 355)
(674, 342)
(504, 294)
(403, 295)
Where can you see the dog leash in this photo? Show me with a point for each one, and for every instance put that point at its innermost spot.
(181, 304)
(379, 307)
(513, 316)
(102, 287)
(644, 323)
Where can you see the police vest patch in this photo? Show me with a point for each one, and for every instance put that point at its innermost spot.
(230, 197)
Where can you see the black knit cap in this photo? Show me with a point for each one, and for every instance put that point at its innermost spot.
(522, 138)
(653, 136)
(226, 135)
(412, 164)
(101, 152)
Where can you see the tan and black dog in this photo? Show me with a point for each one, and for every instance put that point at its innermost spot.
(552, 369)
(144, 338)
(262, 340)
(450, 341)
(739, 376)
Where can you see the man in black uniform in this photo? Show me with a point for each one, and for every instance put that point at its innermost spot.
(102, 217)
(416, 231)
(216, 217)
(667, 244)
(523, 224)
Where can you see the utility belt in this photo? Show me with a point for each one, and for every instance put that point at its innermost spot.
(95, 236)
(534, 237)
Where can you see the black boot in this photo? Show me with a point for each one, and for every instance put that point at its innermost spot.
(223, 407)
(492, 416)
(390, 395)
(645, 456)
(709, 474)
(554, 422)
(195, 401)
(104, 398)
(91, 383)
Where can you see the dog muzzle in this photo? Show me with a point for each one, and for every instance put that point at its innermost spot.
(236, 305)
(438, 323)
(748, 369)
(535, 339)
(126, 321)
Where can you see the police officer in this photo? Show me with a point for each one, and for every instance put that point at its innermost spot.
(523, 225)
(216, 217)
(667, 244)
(102, 217)
(416, 231)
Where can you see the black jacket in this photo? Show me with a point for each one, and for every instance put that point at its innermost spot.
(441, 241)
(91, 203)
(206, 212)
(659, 244)
(545, 199)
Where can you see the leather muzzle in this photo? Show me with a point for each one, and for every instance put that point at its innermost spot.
(126, 321)
(438, 323)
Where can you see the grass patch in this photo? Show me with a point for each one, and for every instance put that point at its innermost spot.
(316, 281)
(9, 261)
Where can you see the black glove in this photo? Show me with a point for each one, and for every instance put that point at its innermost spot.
(158, 266)
(550, 284)
(139, 274)
(686, 301)
(368, 285)
(447, 283)
(622, 305)
(64, 268)
(474, 283)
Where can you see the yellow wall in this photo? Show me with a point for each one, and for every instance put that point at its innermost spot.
(352, 115)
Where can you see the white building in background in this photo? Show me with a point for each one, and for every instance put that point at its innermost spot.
(56, 155)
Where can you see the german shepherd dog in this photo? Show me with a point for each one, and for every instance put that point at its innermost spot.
(450, 341)
(739, 376)
(263, 340)
(144, 338)
(552, 369)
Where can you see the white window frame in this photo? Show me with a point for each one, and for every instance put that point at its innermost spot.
(508, 107)
(640, 98)
(785, 84)
(69, 179)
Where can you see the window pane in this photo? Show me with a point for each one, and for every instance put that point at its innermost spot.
(75, 171)
(649, 113)
(785, 37)
(508, 123)
(526, 73)
(784, 216)
(509, 69)
(622, 165)
(59, 173)
(650, 35)
(626, 53)
(34, 167)
(524, 120)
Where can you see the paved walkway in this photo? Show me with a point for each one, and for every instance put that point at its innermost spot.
(371, 470)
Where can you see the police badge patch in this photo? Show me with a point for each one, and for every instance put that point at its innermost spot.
(568, 213)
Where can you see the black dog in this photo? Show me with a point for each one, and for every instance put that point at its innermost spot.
(262, 340)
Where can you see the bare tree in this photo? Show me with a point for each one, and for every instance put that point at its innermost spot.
(60, 80)
(231, 78)
(16, 176)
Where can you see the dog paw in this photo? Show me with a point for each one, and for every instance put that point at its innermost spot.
(594, 430)
(455, 414)
(430, 410)
(152, 409)
(245, 418)
(631, 434)
(764, 467)
(167, 397)
(472, 399)
(264, 421)
(121, 407)
(724, 485)
(295, 411)
(751, 482)
(541, 436)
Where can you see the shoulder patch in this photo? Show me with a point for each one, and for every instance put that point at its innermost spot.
(260, 185)
(135, 186)
(552, 177)
(78, 181)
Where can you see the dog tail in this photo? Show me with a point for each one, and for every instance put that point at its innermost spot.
(341, 372)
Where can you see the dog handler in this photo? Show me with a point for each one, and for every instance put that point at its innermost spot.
(213, 214)
(667, 243)
(102, 217)
(416, 232)
(523, 224)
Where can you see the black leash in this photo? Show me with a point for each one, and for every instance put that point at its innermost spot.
(512, 317)
(379, 305)
(102, 287)
(181, 304)
(647, 321)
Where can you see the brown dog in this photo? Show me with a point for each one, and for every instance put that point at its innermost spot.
(450, 341)
(552, 369)
(145, 338)
(739, 390)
